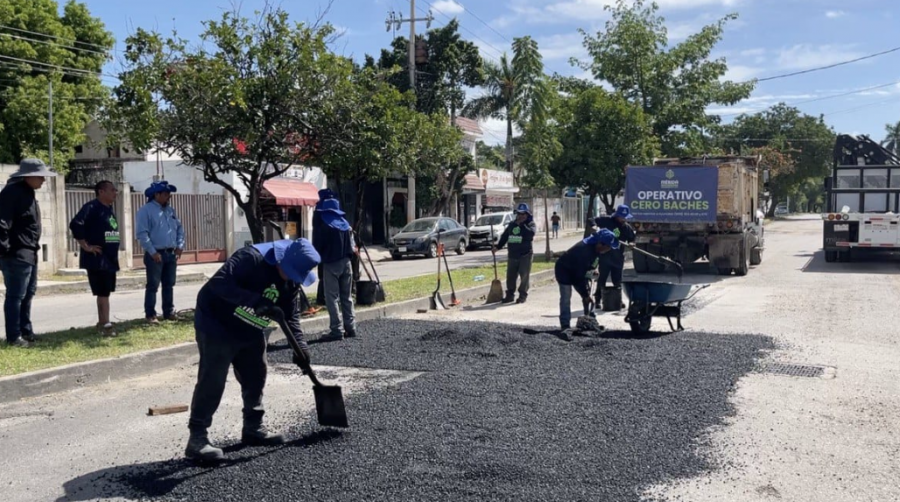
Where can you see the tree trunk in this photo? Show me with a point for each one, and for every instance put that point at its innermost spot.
(509, 156)
(609, 201)
(588, 212)
(253, 214)
(548, 254)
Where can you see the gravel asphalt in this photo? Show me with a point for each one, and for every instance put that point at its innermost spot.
(497, 415)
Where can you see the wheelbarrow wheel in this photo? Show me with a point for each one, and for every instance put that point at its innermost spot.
(641, 326)
(638, 318)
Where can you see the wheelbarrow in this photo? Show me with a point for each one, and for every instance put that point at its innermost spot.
(648, 299)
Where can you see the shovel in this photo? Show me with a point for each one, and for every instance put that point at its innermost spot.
(330, 408)
(380, 294)
(495, 295)
(453, 301)
(437, 303)
(660, 259)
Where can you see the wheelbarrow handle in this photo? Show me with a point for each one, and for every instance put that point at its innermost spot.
(700, 288)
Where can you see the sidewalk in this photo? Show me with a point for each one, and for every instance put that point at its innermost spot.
(126, 278)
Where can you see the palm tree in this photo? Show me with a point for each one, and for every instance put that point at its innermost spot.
(514, 91)
(892, 140)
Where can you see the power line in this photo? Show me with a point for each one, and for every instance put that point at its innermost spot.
(62, 68)
(823, 98)
(826, 67)
(504, 37)
(54, 44)
(470, 32)
(10, 66)
(861, 106)
(50, 36)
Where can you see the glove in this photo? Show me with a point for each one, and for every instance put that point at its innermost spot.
(264, 307)
(302, 360)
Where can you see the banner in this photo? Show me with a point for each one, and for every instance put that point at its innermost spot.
(672, 194)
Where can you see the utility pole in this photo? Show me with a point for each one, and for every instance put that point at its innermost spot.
(396, 20)
(50, 93)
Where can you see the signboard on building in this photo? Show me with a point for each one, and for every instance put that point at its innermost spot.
(664, 194)
(500, 181)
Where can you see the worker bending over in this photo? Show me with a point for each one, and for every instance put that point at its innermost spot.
(574, 268)
(233, 309)
(612, 264)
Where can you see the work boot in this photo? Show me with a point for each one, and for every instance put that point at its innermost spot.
(20, 343)
(199, 449)
(508, 299)
(350, 333)
(254, 434)
(29, 337)
(522, 299)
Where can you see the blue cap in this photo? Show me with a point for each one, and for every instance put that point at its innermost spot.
(159, 187)
(603, 236)
(330, 211)
(523, 208)
(297, 258)
(623, 211)
(326, 193)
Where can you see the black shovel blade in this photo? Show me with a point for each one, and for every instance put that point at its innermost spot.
(330, 406)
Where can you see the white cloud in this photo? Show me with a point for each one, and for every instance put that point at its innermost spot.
(562, 46)
(740, 73)
(805, 56)
(495, 131)
(448, 7)
(834, 14)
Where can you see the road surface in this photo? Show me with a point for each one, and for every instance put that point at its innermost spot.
(59, 312)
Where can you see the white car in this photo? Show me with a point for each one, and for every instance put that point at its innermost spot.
(781, 210)
(480, 231)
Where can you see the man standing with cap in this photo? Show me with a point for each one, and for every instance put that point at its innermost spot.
(20, 235)
(162, 238)
(324, 194)
(233, 309)
(574, 269)
(96, 229)
(520, 235)
(613, 263)
(334, 241)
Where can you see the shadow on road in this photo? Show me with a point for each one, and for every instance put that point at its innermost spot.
(159, 479)
(873, 262)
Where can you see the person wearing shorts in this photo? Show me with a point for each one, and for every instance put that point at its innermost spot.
(96, 229)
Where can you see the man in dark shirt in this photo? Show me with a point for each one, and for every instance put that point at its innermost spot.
(555, 221)
(96, 229)
(233, 310)
(324, 194)
(613, 263)
(574, 268)
(520, 236)
(334, 242)
(20, 235)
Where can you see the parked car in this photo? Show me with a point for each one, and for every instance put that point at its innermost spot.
(420, 237)
(781, 210)
(480, 231)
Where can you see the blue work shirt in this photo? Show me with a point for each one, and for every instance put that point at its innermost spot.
(159, 228)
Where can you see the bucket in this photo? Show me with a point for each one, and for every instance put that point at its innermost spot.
(612, 299)
(365, 292)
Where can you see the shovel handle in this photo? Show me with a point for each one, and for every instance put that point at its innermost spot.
(278, 316)
(655, 257)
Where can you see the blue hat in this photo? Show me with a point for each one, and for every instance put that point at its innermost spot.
(297, 258)
(523, 208)
(326, 193)
(605, 237)
(330, 211)
(159, 187)
(623, 211)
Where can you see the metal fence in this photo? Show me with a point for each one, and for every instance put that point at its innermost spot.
(203, 218)
(569, 210)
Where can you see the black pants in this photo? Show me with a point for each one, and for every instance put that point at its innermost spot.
(607, 270)
(217, 355)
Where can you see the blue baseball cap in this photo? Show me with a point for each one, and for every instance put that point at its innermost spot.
(523, 208)
(159, 187)
(603, 236)
(623, 211)
(297, 258)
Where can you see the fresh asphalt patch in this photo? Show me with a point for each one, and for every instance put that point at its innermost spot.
(497, 415)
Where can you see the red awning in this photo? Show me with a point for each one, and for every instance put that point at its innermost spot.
(289, 192)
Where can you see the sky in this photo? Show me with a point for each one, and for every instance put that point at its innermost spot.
(769, 38)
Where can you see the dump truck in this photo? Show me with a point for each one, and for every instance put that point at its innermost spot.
(862, 200)
(688, 209)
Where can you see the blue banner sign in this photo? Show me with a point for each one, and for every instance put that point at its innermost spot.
(672, 194)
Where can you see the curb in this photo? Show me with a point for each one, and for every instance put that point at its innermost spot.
(90, 373)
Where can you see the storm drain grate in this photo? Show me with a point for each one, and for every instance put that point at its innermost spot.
(797, 370)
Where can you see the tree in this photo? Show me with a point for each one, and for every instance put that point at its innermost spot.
(254, 100)
(601, 134)
(805, 139)
(540, 149)
(39, 47)
(673, 86)
(489, 156)
(514, 91)
(892, 137)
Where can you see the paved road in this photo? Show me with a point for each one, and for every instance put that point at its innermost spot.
(54, 313)
(780, 437)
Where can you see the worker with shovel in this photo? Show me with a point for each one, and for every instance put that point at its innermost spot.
(612, 264)
(233, 309)
(574, 268)
(520, 236)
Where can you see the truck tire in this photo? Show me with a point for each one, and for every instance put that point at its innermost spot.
(641, 265)
(755, 256)
(744, 266)
(831, 256)
(724, 271)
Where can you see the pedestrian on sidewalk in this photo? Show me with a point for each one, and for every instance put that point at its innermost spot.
(520, 236)
(20, 235)
(574, 268)
(555, 220)
(233, 309)
(324, 194)
(336, 246)
(613, 263)
(162, 238)
(96, 229)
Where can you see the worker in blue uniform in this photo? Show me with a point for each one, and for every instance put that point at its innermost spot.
(233, 310)
(574, 269)
(612, 264)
